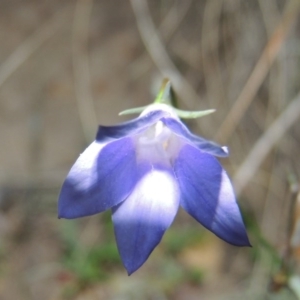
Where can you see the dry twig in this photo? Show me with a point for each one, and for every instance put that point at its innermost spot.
(30, 45)
(82, 78)
(159, 54)
(265, 144)
(259, 73)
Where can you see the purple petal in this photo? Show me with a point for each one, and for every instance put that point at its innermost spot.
(201, 143)
(102, 177)
(207, 195)
(106, 133)
(141, 220)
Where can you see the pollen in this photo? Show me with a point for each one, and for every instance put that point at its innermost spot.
(165, 145)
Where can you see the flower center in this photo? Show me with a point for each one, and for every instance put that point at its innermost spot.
(156, 134)
(158, 144)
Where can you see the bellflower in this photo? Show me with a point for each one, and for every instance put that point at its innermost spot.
(143, 170)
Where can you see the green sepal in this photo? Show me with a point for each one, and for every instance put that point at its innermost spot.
(184, 114)
(167, 96)
(136, 110)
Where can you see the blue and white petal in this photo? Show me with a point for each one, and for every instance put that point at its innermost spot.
(181, 130)
(142, 219)
(102, 177)
(129, 128)
(207, 195)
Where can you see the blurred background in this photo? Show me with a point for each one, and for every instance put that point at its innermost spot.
(67, 66)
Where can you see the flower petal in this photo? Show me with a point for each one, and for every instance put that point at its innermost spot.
(141, 220)
(106, 133)
(102, 177)
(207, 195)
(201, 143)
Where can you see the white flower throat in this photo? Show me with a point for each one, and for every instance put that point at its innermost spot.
(158, 144)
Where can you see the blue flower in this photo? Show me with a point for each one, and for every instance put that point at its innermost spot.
(144, 170)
